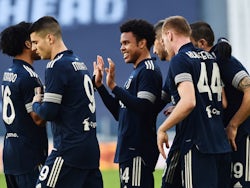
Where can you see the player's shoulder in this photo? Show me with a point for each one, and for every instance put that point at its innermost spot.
(54, 63)
(28, 71)
(149, 65)
(61, 62)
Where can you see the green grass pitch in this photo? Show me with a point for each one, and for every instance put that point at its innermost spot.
(110, 179)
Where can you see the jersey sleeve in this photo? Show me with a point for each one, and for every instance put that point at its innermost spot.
(150, 83)
(233, 72)
(149, 88)
(27, 87)
(180, 69)
(110, 102)
(55, 82)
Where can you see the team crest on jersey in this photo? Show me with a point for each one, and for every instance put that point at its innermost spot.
(128, 82)
(122, 105)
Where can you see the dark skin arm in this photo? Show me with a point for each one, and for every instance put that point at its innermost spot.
(242, 114)
(38, 121)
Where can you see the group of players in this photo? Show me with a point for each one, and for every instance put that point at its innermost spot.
(208, 90)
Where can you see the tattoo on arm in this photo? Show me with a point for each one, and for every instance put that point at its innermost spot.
(244, 83)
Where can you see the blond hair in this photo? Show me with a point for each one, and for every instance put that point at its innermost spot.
(177, 23)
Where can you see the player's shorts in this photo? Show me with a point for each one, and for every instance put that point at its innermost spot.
(56, 174)
(241, 163)
(134, 173)
(197, 170)
(27, 180)
(206, 170)
(171, 177)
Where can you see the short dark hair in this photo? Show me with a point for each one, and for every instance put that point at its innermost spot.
(141, 30)
(46, 24)
(202, 30)
(158, 28)
(13, 38)
(158, 25)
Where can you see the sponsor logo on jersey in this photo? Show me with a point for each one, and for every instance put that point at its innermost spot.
(212, 111)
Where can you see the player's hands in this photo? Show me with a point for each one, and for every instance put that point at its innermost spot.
(223, 48)
(98, 71)
(162, 138)
(110, 78)
(231, 135)
(38, 95)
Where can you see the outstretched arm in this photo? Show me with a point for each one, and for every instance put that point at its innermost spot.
(137, 103)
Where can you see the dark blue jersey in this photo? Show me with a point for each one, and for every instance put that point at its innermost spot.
(25, 144)
(136, 107)
(232, 72)
(203, 127)
(69, 103)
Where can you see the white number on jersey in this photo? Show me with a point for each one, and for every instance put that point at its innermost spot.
(89, 89)
(237, 170)
(125, 174)
(6, 93)
(44, 173)
(216, 84)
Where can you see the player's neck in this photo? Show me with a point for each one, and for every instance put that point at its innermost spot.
(57, 48)
(25, 57)
(180, 42)
(144, 55)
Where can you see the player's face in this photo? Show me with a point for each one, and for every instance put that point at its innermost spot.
(129, 47)
(41, 45)
(34, 55)
(167, 45)
(158, 48)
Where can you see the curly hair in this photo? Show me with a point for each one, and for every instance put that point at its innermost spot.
(141, 30)
(12, 39)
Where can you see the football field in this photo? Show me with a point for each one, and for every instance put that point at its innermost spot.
(110, 179)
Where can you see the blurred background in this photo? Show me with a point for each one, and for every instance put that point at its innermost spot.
(91, 28)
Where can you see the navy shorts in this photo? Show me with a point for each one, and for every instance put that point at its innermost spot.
(171, 177)
(197, 170)
(27, 180)
(134, 173)
(241, 163)
(206, 170)
(56, 174)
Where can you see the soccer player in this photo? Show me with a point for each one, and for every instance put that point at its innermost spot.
(25, 142)
(163, 55)
(158, 48)
(202, 151)
(236, 116)
(69, 103)
(135, 105)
